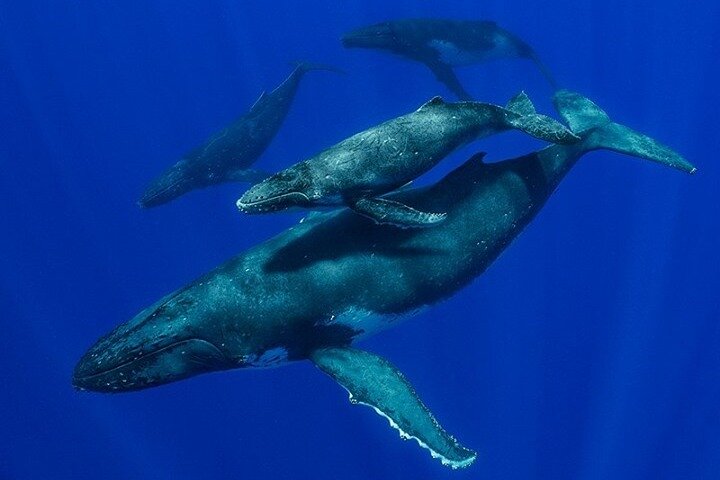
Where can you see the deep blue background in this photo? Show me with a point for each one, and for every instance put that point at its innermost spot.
(589, 350)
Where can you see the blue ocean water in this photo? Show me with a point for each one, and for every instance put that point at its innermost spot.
(589, 350)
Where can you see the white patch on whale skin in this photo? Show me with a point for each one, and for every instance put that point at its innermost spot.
(366, 321)
(455, 56)
(269, 358)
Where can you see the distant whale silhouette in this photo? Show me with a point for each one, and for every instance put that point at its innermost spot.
(442, 44)
(356, 171)
(313, 290)
(227, 155)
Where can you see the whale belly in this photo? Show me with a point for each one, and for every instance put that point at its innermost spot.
(456, 56)
(366, 322)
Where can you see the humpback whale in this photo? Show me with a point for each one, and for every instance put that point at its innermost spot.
(315, 289)
(442, 44)
(356, 171)
(228, 154)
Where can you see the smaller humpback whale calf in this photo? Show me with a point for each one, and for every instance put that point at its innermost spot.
(358, 170)
(316, 289)
(443, 44)
(228, 154)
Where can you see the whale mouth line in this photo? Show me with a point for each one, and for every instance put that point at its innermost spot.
(124, 364)
(243, 205)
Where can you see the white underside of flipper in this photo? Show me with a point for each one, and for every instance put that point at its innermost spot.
(454, 464)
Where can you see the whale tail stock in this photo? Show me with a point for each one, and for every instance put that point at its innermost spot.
(598, 131)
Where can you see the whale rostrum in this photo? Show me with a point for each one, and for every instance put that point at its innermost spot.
(315, 289)
(359, 170)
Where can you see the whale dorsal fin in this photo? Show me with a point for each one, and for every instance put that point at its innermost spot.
(433, 102)
(373, 381)
(521, 104)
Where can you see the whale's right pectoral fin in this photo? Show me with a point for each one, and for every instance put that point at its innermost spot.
(375, 382)
(389, 212)
(446, 75)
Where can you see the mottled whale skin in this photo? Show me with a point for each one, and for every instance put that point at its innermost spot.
(316, 288)
(380, 159)
(228, 154)
(442, 44)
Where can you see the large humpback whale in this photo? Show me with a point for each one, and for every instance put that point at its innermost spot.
(356, 171)
(228, 154)
(313, 290)
(442, 44)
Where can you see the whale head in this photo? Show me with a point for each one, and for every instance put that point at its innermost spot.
(379, 35)
(172, 340)
(280, 191)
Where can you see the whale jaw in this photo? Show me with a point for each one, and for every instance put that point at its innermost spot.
(171, 363)
(168, 341)
(272, 204)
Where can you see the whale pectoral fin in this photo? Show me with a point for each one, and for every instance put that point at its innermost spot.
(446, 75)
(249, 175)
(542, 127)
(375, 382)
(389, 212)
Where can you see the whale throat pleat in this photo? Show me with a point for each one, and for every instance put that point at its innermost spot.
(373, 381)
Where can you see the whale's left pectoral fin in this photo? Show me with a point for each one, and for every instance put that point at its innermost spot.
(375, 382)
(389, 212)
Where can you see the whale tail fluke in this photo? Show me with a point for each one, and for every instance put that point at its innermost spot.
(304, 67)
(591, 123)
